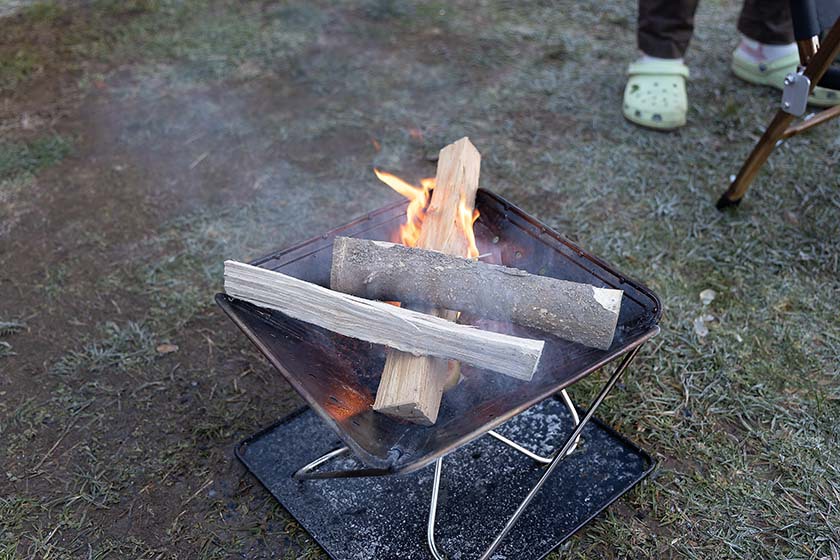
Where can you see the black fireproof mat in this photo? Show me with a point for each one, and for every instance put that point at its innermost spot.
(385, 518)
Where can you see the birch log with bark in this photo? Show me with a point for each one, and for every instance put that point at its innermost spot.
(414, 333)
(387, 271)
(411, 387)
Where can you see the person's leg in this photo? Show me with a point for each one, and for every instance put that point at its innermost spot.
(665, 27)
(766, 30)
(655, 95)
(767, 53)
(766, 21)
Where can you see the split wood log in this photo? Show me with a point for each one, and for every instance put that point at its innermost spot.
(387, 271)
(381, 323)
(411, 387)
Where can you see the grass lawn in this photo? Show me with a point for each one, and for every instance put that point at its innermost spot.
(144, 141)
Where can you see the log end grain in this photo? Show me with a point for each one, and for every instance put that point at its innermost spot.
(609, 299)
(411, 389)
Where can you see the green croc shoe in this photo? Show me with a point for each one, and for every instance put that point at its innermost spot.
(655, 95)
(773, 74)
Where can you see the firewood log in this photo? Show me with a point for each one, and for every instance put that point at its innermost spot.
(412, 387)
(414, 333)
(387, 271)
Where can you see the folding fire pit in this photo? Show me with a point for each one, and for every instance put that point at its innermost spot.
(546, 471)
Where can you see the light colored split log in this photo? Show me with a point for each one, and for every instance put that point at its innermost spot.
(412, 387)
(412, 332)
(386, 271)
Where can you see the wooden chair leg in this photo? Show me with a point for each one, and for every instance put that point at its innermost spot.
(759, 155)
(816, 67)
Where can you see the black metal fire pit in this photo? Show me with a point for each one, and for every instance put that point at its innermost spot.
(338, 377)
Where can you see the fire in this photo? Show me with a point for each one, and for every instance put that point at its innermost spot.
(467, 219)
(416, 212)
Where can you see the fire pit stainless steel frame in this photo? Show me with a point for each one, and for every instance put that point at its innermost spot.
(484, 400)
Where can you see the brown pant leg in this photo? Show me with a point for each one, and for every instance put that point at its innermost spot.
(766, 21)
(666, 26)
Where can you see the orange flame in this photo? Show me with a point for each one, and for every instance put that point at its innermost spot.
(416, 212)
(418, 201)
(467, 219)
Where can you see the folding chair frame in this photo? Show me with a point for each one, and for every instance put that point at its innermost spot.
(816, 59)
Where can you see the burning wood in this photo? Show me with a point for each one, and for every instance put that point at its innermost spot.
(429, 273)
(412, 386)
(387, 271)
(415, 334)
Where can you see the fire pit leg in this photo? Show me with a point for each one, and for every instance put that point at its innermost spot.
(567, 400)
(556, 459)
(306, 471)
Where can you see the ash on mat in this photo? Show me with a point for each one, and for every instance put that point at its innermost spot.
(483, 482)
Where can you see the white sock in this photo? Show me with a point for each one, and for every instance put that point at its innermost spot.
(761, 52)
(646, 58)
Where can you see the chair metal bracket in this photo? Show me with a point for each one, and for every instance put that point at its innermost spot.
(795, 93)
